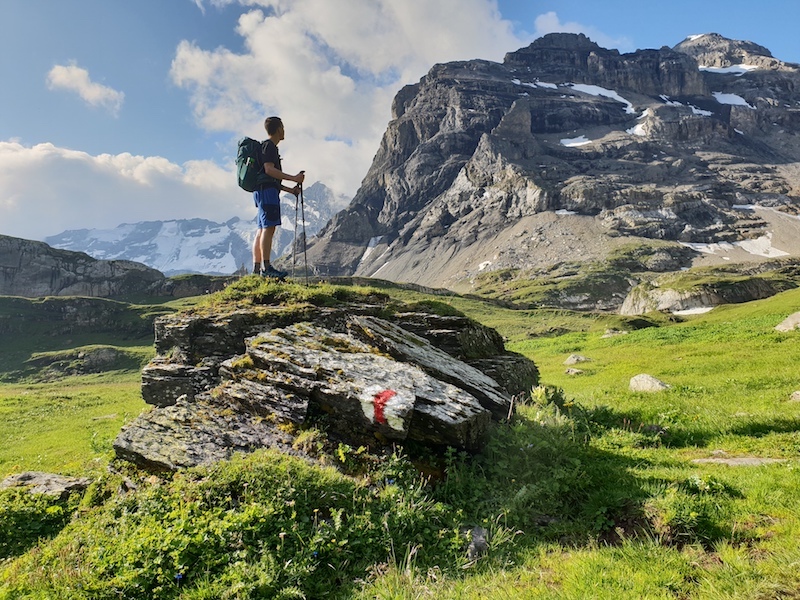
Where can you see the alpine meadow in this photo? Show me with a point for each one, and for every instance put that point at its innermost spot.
(581, 492)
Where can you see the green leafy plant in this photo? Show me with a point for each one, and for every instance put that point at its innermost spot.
(26, 519)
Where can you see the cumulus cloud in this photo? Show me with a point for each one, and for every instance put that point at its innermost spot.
(75, 79)
(330, 70)
(84, 191)
(550, 23)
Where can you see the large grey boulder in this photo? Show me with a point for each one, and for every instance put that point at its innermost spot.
(407, 347)
(198, 432)
(647, 383)
(374, 381)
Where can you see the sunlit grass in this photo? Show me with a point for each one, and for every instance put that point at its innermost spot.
(591, 491)
(65, 426)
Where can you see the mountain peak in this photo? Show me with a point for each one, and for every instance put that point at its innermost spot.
(566, 151)
(556, 46)
(568, 41)
(715, 50)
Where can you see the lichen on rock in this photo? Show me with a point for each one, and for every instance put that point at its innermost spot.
(369, 380)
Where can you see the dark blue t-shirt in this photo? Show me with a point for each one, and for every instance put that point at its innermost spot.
(269, 154)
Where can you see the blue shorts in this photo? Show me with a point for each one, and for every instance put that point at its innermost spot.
(269, 207)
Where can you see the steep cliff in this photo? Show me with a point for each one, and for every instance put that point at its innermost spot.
(566, 151)
(34, 269)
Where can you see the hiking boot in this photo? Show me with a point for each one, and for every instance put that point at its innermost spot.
(271, 271)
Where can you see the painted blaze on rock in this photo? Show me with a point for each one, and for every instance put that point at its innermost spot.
(379, 401)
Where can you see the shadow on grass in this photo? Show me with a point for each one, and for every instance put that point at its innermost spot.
(545, 479)
(651, 433)
(27, 519)
(759, 429)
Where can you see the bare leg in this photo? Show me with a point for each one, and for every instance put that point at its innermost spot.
(266, 243)
(257, 256)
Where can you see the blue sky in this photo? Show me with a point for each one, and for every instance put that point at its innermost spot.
(115, 112)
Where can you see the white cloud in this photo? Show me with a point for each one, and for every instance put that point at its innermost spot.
(550, 23)
(330, 70)
(45, 190)
(75, 79)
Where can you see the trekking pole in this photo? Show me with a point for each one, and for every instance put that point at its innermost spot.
(303, 217)
(294, 242)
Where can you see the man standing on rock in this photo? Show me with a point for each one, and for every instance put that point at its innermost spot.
(267, 199)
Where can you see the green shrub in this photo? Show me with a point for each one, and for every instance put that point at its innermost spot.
(698, 509)
(265, 525)
(27, 518)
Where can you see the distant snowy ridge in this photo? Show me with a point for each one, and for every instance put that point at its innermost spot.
(172, 247)
(198, 245)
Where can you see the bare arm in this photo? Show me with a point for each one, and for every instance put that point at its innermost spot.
(269, 169)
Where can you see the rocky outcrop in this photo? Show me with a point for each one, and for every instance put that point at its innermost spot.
(562, 57)
(645, 298)
(481, 157)
(34, 269)
(734, 285)
(49, 484)
(716, 51)
(226, 383)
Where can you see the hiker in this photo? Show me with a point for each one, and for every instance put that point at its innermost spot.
(267, 199)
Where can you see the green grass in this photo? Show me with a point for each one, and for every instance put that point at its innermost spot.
(254, 290)
(732, 375)
(55, 413)
(538, 289)
(67, 426)
(590, 492)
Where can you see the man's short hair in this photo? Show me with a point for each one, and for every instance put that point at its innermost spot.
(272, 124)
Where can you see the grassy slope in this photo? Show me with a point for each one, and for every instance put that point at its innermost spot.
(597, 483)
(732, 376)
(51, 420)
(65, 427)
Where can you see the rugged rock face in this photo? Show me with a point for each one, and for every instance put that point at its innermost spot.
(480, 158)
(34, 269)
(71, 316)
(732, 284)
(716, 51)
(225, 383)
(646, 298)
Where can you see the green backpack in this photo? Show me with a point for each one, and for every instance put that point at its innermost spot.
(249, 173)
